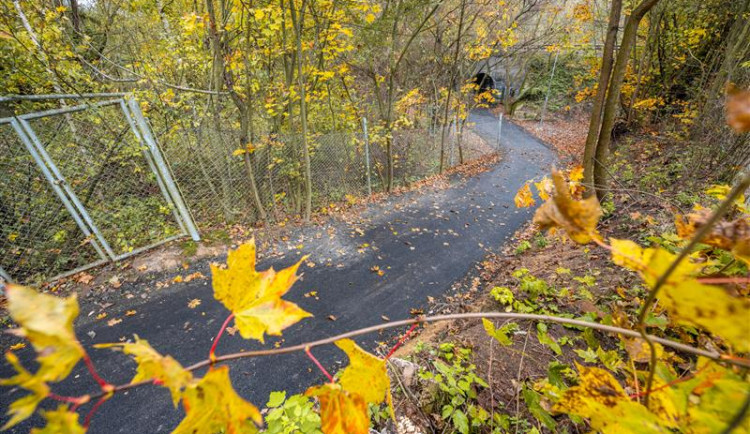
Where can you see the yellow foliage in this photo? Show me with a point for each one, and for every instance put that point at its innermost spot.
(577, 217)
(544, 188)
(600, 398)
(60, 421)
(524, 198)
(152, 365)
(47, 321)
(366, 374)
(687, 300)
(23, 408)
(211, 406)
(255, 297)
(341, 412)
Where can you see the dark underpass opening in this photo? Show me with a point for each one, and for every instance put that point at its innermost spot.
(484, 81)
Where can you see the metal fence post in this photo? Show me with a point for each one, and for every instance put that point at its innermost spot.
(5, 276)
(55, 179)
(499, 130)
(152, 166)
(162, 165)
(367, 156)
(549, 87)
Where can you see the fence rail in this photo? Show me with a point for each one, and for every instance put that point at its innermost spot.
(100, 181)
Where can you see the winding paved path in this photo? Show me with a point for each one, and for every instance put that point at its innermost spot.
(424, 242)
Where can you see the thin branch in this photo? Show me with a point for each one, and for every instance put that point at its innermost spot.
(724, 207)
(713, 355)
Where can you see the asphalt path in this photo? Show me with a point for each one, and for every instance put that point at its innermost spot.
(423, 241)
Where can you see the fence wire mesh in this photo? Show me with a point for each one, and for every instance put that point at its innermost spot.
(106, 163)
(107, 166)
(37, 234)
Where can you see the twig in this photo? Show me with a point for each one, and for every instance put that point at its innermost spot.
(518, 377)
(713, 355)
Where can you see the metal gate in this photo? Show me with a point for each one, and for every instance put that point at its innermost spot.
(81, 186)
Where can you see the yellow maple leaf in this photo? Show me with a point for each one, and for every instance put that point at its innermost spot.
(211, 406)
(60, 421)
(255, 297)
(341, 412)
(366, 375)
(47, 322)
(23, 407)
(577, 217)
(576, 173)
(524, 198)
(544, 188)
(600, 398)
(152, 365)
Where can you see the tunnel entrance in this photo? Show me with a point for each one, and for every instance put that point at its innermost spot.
(484, 81)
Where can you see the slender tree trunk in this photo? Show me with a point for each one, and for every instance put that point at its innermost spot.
(297, 22)
(601, 95)
(601, 156)
(451, 83)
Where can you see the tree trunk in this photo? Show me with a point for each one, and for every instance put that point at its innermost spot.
(297, 22)
(601, 95)
(601, 155)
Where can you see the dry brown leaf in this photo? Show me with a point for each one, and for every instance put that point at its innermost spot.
(577, 217)
(738, 109)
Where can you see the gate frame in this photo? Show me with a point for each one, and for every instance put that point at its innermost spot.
(152, 154)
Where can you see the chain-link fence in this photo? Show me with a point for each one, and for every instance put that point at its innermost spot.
(98, 182)
(82, 185)
(224, 186)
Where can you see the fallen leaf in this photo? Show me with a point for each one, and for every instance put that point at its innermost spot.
(192, 304)
(130, 313)
(17, 346)
(332, 318)
(84, 278)
(114, 322)
(101, 315)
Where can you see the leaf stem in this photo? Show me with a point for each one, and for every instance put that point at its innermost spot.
(211, 353)
(401, 340)
(92, 370)
(87, 421)
(317, 363)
